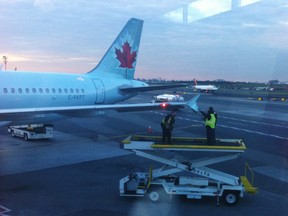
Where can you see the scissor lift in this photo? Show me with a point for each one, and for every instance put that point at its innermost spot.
(211, 182)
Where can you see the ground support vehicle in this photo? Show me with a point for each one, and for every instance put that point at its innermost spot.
(167, 98)
(33, 131)
(201, 182)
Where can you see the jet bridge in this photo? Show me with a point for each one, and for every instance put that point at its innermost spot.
(211, 182)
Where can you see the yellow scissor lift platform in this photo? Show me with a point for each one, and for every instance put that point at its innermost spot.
(215, 183)
(183, 144)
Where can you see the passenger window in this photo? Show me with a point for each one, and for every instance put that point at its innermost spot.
(66, 90)
(5, 90)
(71, 90)
(47, 90)
(40, 90)
(53, 90)
(34, 90)
(19, 90)
(60, 90)
(27, 90)
(82, 91)
(77, 91)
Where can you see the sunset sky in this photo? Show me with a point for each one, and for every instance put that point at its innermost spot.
(181, 40)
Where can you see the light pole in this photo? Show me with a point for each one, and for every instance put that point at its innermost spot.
(5, 61)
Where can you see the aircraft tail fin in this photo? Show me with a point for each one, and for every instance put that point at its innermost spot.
(195, 82)
(120, 59)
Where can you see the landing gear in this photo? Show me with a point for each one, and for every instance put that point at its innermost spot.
(26, 137)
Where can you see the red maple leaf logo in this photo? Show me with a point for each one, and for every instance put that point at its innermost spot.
(126, 58)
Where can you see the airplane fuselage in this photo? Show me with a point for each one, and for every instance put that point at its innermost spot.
(205, 88)
(41, 97)
(35, 90)
(19, 89)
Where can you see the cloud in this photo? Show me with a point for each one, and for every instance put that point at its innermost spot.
(14, 1)
(72, 35)
(45, 5)
(254, 25)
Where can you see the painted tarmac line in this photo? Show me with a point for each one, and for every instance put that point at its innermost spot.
(254, 132)
(255, 122)
(240, 129)
(4, 210)
(273, 172)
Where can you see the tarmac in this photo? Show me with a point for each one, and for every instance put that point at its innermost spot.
(78, 171)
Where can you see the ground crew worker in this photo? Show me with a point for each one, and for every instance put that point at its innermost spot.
(167, 126)
(210, 123)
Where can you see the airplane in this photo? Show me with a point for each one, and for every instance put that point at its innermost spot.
(43, 97)
(204, 88)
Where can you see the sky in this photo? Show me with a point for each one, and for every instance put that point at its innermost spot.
(243, 40)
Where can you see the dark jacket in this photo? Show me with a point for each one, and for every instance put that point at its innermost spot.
(168, 122)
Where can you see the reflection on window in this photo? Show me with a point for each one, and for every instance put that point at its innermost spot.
(201, 9)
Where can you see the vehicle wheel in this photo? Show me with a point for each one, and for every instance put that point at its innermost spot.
(231, 198)
(158, 193)
(12, 133)
(154, 196)
(25, 137)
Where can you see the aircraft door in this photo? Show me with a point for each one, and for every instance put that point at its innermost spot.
(100, 91)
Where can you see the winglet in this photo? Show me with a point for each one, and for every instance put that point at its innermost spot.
(193, 103)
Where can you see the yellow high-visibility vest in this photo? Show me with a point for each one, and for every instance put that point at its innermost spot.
(212, 122)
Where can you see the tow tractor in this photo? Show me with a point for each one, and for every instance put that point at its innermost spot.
(201, 182)
(33, 131)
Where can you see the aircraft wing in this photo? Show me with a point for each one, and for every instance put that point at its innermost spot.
(118, 107)
(150, 88)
